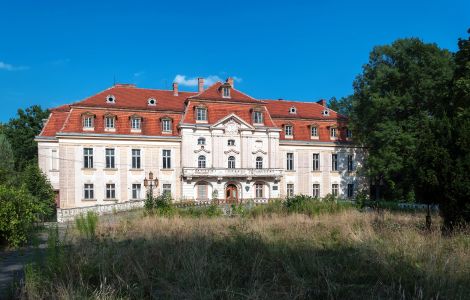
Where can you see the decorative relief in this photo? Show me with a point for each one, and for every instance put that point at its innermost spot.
(232, 127)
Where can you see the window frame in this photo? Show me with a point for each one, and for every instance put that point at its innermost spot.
(290, 192)
(335, 189)
(88, 119)
(201, 162)
(167, 125)
(231, 162)
(54, 159)
(109, 120)
(110, 158)
(316, 190)
(333, 132)
(316, 162)
(88, 158)
(259, 163)
(258, 117)
(88, 191)
(136, 123)
(201, 114)
(231, 142)
(203, 139)
(290, 161)
(334, 162)
(166, 188)
(136, 191)
(110, 191)
(202, 187)
(259, 190)
(350, 190)
(166, 159)
(314, 131)
(136, 157)
(290, 132)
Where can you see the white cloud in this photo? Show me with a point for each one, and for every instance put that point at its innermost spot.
(209, 80)
(8, 67)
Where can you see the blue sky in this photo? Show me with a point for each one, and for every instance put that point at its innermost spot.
(56, 52)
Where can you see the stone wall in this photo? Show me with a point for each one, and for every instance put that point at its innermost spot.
(69, 214)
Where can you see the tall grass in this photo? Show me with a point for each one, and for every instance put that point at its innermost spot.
(347, 255)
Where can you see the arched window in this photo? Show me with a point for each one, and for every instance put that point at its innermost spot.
(259, 162)
(231, 162)
(201, 141)
(201, 161)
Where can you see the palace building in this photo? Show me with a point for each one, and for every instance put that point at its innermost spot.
(215, 143)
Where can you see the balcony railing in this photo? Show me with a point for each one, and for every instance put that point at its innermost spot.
(225, 172)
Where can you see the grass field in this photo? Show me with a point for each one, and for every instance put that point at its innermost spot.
(345, 254)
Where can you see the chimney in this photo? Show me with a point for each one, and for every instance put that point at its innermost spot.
(322, 102)
(230, 81)
(175, 88)
(200, 84)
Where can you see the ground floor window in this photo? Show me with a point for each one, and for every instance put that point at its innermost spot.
(110, 191)
(350, 190)
(258, 190)
(166, 189)
(316, 190)
(136, 188)
(290, 190)
(334, 189)
(88, 191)
(202, 191)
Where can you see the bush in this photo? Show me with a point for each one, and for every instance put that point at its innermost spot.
(313, 206)
(86, 225)
(18, 210)
(160, 205)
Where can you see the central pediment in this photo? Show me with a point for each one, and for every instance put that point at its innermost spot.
(232, 124)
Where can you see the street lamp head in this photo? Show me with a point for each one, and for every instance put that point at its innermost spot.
(146, 182)
(150, 175)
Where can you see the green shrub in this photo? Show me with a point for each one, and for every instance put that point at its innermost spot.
(206, 211)
(160, 205)
(313, 206)
(18, 211)
(86, 225)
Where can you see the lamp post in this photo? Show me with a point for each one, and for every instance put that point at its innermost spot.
(150, 183)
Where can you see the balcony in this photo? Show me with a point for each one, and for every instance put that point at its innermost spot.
(220, 173)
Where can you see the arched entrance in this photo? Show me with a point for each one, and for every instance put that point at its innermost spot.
(231, 193)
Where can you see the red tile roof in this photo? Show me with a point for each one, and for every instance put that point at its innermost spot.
(214, 93)
(55, 121)
(304, 110)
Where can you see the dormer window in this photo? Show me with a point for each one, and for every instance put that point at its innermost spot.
(88, 121)
(293, 110)
(257, 117)
(110, 123)
(201, 114)
(136, 123)
(226, 92)
(288, 130)
(152, 102)
(333, 132)
(201, 141)
(326, 112)
(110, 99)
(166, 125)
(314, 131)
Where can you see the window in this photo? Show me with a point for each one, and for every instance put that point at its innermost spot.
(290, 161)
(88, 192)
(231, 162)
(201, 161)
(257, 117)
(166, 125)
(54, 160)
(166, 159)
(226, 92)
(110, 99)
(109, 153)
(136, 188)
(348, 133)
(313, 131)
(326, 112)
(316, 190)
(201, 114)
(166, 189)
(109, 122)
(202, 191)
(316, 161)
(350, 163)
(135, 158)
(110, 191)
(136, 123)
(292, 110)
(288, 130)
(88, 158)
(201, 141)
(259, 162)
(290, 190)
(231, 142)
(334, 162)
(350, 190)
(258, 190)
(152, 101)
(333, 132)
(88, 122)
(334, 189)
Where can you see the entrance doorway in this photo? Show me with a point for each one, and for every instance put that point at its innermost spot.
(231, 193)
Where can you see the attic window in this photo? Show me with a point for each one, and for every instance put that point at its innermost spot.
(326, 112)
(226, 92)
(110, 99)
(293, 110)
(152, 101)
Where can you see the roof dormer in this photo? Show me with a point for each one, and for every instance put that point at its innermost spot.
(225, 90)
(110, 99)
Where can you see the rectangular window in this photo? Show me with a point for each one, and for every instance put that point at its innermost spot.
(226, 92)
(110, 191)
(136, 123)
(334, 162)
(88, 192)
(231, 142)
(136, 188)
(259, 191)
(166, 125)
(109, 122)
(201, 114)
(290, 161)
(110, 159)
(87, 122)
(350, 190)
(166, 159)
(314, 131)
(290, 190)
(288, 130)
(257, 117)
(54, 160)
(334, 189)
(136, 159)
(333, 132)
(166, 189)
(350, 163)
(202, 192)
(348, 133)
(88, 158)
(316, 161)
(316, 190)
